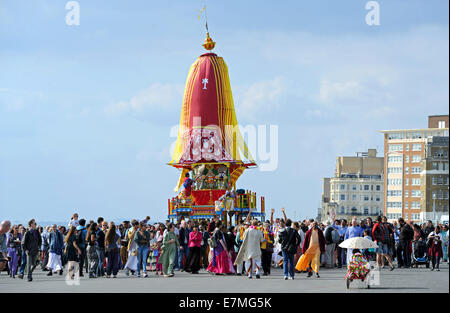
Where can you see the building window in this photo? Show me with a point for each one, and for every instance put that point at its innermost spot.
(394, 204)
(342, 210)
(415, 170)
(433, 180)
(406, 193)
(407, 170)
(441, 124)
(398, 147)
(407, 147)
(416, 158)
(342, 197)
(394, 170)
(415, 181)
(366, 187)
(395, 159)
(342, 187)
(396, 135)
(378, 187)
(366, 211)
(354, 187)
(366, 198)
(417, 147)
(415, 193)
(354, 197)
(415, 216)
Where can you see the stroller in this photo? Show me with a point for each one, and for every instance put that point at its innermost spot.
(420, 254)
(358, 269)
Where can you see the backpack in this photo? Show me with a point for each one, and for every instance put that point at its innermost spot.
(81, 238)
(292, 247)
(328, 237)
(377, 232)
(385, 233)
(410, 233)
(335, 237)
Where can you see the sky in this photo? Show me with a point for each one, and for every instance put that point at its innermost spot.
(87, 112)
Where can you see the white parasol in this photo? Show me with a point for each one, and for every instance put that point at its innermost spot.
(358, 243)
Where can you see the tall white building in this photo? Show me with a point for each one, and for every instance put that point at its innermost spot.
(356, 188)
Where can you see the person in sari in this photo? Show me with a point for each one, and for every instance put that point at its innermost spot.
(192, 264)
(313, 246)
(56, 247)
(132, 250)
(13, 241)
(220, 261)
(169, 247)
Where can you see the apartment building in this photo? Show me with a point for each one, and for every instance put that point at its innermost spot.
(356, 188)
(404, 162)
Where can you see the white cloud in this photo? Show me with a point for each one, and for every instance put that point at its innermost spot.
(261, 97)
(157, 98)
(364, 75)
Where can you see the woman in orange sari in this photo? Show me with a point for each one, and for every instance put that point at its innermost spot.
(313, 246)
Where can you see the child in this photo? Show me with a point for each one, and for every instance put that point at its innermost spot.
(358, 267)
(369, 254)
(155, 245)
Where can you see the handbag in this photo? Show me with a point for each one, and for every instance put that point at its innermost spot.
(212, 241)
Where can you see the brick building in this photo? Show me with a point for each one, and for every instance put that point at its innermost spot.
(405, 159)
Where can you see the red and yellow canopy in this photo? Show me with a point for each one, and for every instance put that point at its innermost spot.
(209, 131)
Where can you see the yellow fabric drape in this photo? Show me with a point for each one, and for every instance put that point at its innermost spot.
(181, 179)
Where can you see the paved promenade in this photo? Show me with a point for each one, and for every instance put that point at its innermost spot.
(399, 280)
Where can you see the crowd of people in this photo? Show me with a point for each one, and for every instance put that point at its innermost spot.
(251, 248)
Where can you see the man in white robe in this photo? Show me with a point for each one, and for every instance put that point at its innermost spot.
(250, 250)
